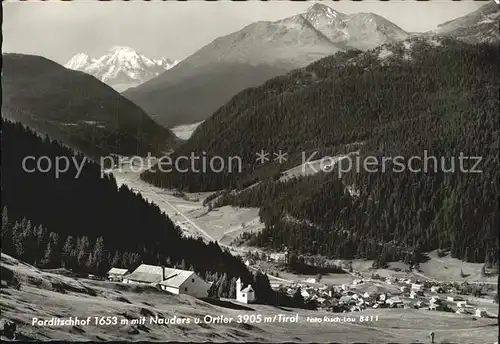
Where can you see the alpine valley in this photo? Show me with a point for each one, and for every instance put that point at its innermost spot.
(334, 178)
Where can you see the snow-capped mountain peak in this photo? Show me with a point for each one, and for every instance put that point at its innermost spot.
(121, 67)
(358, 30)
(78, 61)
(322, 10)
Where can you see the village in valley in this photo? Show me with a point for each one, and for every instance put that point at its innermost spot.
(401, 289)
(358, 292)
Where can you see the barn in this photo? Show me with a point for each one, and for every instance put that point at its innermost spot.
(116, 274)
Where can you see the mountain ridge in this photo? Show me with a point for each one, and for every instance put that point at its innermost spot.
(98, 121)
(273, 47)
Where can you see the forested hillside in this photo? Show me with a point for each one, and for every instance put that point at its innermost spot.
(77, 109)
(414, 98)
(84, 221)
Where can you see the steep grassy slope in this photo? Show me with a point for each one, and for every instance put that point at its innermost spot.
(45, 295)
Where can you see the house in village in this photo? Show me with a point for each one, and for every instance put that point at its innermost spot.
(345, 299)
(395, 302)
(462, 304)
(417, 287)
(244, 295)
(116, 274)
(277, 257)
(305, 294)
(357, 281)
(276, 286)
(175, 281)
(419, 304)
(435, 299)
(315, 279)
(437, 289)
(320, 300)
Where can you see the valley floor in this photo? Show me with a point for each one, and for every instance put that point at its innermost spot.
(226, 223)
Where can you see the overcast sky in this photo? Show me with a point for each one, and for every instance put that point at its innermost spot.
(172, 29)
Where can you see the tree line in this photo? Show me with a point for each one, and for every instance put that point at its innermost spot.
(89, 217)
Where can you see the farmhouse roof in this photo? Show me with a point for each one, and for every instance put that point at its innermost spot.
(154, 274)
(176, 278)
(147, 273)
(117, 271)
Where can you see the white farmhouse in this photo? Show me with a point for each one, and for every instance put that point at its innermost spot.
(175, 281)
(185, 282)
(245, 295)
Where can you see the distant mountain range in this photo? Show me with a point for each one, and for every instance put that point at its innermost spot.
(77, 109)
(196, 87)
(121, 68)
